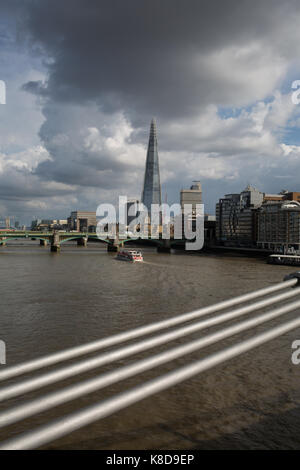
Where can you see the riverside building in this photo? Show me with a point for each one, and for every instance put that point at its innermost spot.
(278, 226)
(235, 217)
(256, 219)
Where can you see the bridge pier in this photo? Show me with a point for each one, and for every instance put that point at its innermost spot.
(55, 243)
(43, 242)
(112, 247)
(165, 247)
(4, 243)
(82, 241)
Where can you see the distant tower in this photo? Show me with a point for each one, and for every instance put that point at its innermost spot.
(191, 196)
(152, 190)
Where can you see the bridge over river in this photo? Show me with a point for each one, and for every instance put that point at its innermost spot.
(57, 238)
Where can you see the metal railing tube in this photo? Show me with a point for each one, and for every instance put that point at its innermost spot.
(77, 351)
(64, 425)
(63, 373)
(77, 390)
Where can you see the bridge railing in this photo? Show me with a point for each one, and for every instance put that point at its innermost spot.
(273, 295)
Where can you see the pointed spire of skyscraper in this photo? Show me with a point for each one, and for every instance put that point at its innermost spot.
(152, 190)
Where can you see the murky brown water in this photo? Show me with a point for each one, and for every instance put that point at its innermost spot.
(53, 301)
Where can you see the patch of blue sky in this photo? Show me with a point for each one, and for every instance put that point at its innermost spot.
(233, 112)
(290, 135)
(229, 112)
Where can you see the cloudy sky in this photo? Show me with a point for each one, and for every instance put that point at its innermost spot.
(85, 77)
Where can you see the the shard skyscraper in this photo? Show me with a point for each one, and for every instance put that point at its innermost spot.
(152, 190)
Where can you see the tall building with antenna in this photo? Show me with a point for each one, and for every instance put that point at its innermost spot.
(152, 190)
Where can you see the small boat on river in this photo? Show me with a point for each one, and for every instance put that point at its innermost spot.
(130, 255)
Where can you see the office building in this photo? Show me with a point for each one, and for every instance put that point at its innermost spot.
(192, 196)
(235, 217)
(82, 221)
(278, 225)
(253, 218)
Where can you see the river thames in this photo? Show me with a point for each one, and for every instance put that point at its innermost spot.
(54, 301)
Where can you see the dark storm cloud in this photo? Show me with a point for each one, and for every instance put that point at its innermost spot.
(109, 66)
(19, 187)
(142, 56)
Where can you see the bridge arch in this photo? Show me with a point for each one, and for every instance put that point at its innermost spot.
(5, 240)
(78, 238)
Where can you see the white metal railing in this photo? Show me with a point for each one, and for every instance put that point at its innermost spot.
(66, 424)
(77, 351)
